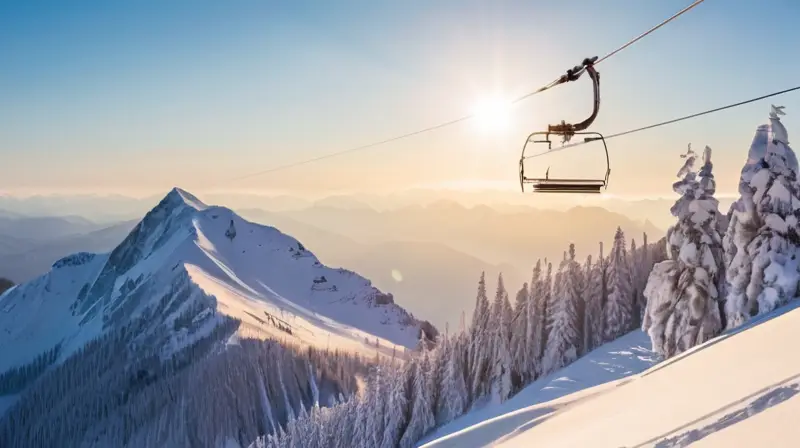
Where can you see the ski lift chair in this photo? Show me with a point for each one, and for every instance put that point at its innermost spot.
(567, 131)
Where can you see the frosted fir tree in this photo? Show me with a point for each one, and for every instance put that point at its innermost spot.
(682, 296)
(635, 267)
(360, 435)
(593, 297)
(619, 317)
(598, 296)
(534, 344)
(479, 350)
(421, 420)
(565, 334)
(454, 389)
(375, 402)
(436, 363)
(547, 300)
(501, 360)
(645, 261)
(519, 333)
(762, 242)
(397, 409)
(231, 232)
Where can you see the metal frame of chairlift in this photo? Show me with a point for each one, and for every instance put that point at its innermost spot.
(567, 131)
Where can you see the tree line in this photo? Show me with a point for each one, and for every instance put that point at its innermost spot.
(559, 316)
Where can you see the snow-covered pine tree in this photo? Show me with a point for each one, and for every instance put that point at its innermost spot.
(397, 410)
(682, 308)
(635, 269)
(619, 304)
(479, 349)
(763, 272)
(436, 368)
(591, 297)
(548, 287)
(519, 334)
(501, 360)
(565, 334)
(375, 404)
(454, 388)
(421, 420)
(360, 435)
(645, 266)
(535, 324)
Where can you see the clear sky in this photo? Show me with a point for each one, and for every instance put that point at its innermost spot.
(143, 95)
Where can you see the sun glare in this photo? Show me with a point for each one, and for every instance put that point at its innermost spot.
(492, 114)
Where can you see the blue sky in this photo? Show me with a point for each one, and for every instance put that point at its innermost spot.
(140, 96)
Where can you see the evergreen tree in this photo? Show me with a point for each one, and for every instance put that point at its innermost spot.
(535, 328)
(421, 420)
(548, 287)
(646, 265)
(593, 296)
(619, 304)
(375, 404)
(682, 294)
(635, 267)
(454, 389)
(397, 410)
(764, 228)
(519, 334)
(501, 363)
(480, 351)
(565, 336)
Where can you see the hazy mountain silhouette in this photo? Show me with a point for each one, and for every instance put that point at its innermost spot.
(518, 238)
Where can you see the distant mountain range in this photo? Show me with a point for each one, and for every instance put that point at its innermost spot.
(115, 208)
(395, 248)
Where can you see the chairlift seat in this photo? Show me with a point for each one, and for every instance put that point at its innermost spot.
(566, 185)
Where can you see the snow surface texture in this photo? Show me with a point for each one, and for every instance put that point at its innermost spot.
(625, 356)
(185, 248)
(705, 397)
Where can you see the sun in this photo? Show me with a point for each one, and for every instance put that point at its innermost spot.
(492, 114)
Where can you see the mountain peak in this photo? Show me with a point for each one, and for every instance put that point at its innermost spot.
(179, 196)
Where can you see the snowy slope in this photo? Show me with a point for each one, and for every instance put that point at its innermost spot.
(625, 356)
(736, 390)
(178, 272)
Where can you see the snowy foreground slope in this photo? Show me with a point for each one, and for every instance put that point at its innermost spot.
(608, 363)
(735, 390)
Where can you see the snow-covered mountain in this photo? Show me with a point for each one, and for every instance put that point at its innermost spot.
(189, 273)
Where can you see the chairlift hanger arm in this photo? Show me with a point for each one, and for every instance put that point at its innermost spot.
(567, 130)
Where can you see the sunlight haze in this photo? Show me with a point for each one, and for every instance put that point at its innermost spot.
(121, 99)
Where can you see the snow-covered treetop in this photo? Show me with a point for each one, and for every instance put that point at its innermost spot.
(695, 187)
(757, 153)
(779, 157)
(779, 133)
(688, 166)
(685, 186)
(707, 183)
(777, 110)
